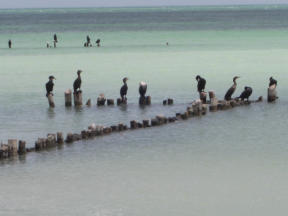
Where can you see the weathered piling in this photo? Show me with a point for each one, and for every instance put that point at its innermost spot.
(77, 98)
(146, 123)
(51, 141)
(4, 151)
(101, 100)
(154, 122)
(272, 93)
(203, 96)
(12, 147)
(69, 138)
(51, 100)
(21, 147)
(120, 101)
(60, 139)
(40, 144)
(110, 102)
(133, 124)
(213, 101)
(68, 98)
(145, 100)
(88, 103)
(168, 101)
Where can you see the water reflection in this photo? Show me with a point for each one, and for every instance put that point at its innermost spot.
(51, 113)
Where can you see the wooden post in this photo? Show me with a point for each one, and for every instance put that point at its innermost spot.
(213, 101)
(60, 139)
(51, 140)
(272, 93)
(78, 98)
(21, 147)
(101, 100)
(51, 100)
(88, 103)
(133, 124)
(203, 96)
(12, 147)
(148, 100)
(146, 123)
(110, 102)
(170, 101)
(68, 98)
(4, 151)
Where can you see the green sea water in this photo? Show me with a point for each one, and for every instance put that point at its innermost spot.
(226, 163)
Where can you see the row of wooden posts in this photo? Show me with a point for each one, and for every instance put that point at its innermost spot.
(101, 100)
(53, 140)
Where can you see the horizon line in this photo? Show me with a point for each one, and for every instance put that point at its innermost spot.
(145, 6)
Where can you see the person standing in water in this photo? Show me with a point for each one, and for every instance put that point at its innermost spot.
(88, 41)
(55, 40)
(10, 44)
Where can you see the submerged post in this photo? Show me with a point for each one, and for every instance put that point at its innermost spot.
(68, 98)
(203, 96)
(272, 93)
(77, 98)
(51, 100)
(213, 101)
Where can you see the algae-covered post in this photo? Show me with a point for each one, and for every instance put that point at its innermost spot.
(68, 98)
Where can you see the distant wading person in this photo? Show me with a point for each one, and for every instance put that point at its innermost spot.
(55, 40)
(77, 83)
(10, 44)
(49, 86)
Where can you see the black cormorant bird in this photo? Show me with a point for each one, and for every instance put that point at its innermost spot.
(201, 83)
(272, 82)
(49, 86)
(123, 90)
(10, 44)
(142, 88)
(246, 93)
(232, 89)
(77, 82)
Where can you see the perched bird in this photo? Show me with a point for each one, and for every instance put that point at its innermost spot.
(201, 83)
(272, 81)
(142, 88)
(123, 90)
(232, 89)
(77, 82)
(49, 86)
(246, 93)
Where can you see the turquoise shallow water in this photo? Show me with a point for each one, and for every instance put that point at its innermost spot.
(226, 163)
